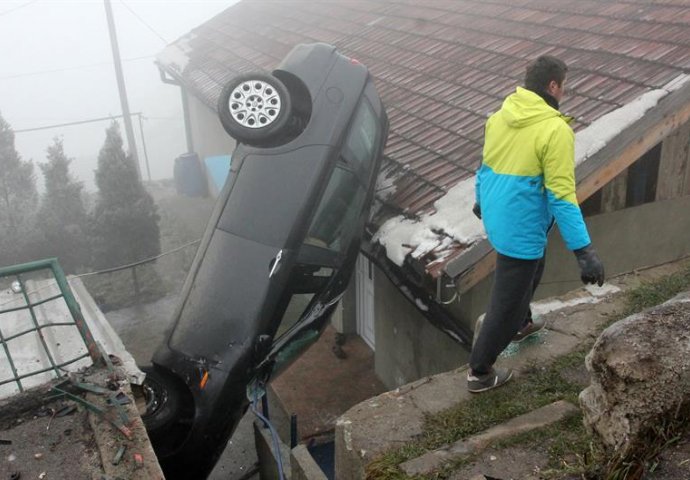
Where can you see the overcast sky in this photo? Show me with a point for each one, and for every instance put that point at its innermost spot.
(56, 67)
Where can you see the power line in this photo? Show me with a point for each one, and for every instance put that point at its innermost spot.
(14, 9)
(144, 22)
(81, 122)
(57, 70)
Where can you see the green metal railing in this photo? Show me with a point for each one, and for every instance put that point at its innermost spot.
(51, 265)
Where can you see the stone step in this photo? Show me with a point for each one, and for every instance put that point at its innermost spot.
(539, 418)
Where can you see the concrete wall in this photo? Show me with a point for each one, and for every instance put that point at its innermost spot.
(208, 136)
(647, 235)
(409, 347)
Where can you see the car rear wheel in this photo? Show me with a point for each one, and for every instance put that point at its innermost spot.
(255, 109)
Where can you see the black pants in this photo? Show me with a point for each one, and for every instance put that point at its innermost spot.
(515, 281)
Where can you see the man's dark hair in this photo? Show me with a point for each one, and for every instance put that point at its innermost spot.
(544, 69)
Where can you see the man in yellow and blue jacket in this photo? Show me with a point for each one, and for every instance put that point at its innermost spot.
(526, 183)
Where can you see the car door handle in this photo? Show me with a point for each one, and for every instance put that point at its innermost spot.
(275, 262)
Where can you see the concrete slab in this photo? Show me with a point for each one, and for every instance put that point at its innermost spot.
(504, 463)
(538, 349)
(585, 321)
(539, 418)
(371, 428)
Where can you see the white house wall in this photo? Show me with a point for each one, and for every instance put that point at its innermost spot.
(208, 136)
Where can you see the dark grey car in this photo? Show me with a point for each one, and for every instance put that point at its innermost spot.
(278, 251)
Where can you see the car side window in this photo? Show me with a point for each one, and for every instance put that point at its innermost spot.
(337, 215)
(361, 143)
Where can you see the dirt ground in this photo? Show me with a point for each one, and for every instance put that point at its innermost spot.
(35, 442)
(55, 447)
(673, 463)
(44, 436)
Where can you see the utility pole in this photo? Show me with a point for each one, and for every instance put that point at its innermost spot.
(126, 117)
(143, 144)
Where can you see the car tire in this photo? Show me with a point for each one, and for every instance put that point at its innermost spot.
(163, 401)
(255, 109)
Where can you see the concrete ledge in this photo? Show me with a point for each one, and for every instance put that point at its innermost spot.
(397, 417)
(391, 419)
(533, 420)
(139, 461)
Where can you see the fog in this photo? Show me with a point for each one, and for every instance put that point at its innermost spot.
(56, 66)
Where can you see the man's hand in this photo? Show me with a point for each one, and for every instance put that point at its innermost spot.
(591, 268)
(477, 211)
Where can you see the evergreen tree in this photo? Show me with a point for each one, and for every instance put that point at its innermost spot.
(125, 219)
(62, 218)
(18, 199)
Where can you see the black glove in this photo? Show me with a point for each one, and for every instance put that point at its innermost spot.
(591, 268)
(477, 211)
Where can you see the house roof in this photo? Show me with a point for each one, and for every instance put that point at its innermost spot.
(442, 68)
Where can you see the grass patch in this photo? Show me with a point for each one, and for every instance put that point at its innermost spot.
(566, 443)
(653, 293)
(571, 451)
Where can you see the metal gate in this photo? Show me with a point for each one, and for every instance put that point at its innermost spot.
(21, 299)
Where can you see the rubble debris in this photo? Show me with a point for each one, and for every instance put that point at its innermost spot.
(66, 410)
(118, 456)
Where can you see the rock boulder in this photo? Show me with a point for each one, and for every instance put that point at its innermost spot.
(640, 369)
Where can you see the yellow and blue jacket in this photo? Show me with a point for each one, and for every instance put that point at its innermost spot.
(527, 178)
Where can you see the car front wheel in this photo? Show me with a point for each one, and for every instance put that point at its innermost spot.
(162, 401)
(255, 109)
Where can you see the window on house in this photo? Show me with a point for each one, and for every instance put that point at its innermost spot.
(634, 186)
(642, 178)
(592, 206)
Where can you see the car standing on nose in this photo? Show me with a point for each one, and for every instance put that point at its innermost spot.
(278, 251)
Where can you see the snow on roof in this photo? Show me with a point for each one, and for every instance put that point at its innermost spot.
(453, 218)
(595, 137)
(176, 56)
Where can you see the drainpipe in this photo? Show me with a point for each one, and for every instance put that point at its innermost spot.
(185, 107)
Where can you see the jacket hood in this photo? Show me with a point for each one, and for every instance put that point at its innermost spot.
(524, 108)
